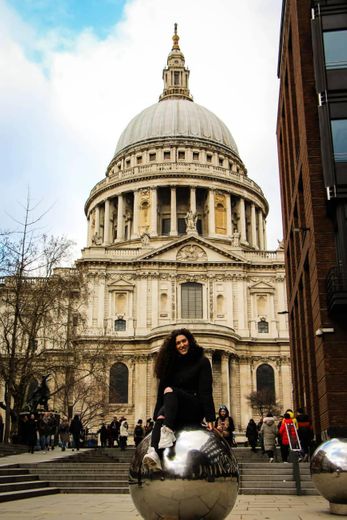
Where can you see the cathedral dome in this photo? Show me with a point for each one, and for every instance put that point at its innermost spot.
(176, 118)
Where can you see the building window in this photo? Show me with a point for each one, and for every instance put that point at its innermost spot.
(127, 163)
(165, 226)
(209, 158)
(176, 78)
(266, 382)
(263, 326)
(181, 155)
(120, 324)
(167, 156)
(191, 303)
(139, 159)
(195, 156)
(152, 156)
(335, 49)
(119, 376)
(221, 161)
(339, 135)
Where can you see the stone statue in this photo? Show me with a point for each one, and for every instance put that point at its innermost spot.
(190, 219)
(236, 239)
(39, 396)
(145, 238)
(97, 239)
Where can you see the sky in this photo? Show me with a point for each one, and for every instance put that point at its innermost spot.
(73, 73)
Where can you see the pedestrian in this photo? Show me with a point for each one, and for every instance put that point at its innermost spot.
(139, 432)
(305, 433)
(103, 435)
(224, 424)
(64, 433)
(31, 430)
(284, 436)
(114, 431)
(252, 434)
(76, 429)
(269, 434)
(123, 433)
(184, 393)
(44, 426)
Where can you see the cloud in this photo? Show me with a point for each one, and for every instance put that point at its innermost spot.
(62, 114)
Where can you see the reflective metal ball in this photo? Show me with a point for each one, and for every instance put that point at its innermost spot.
(329, 473)
(199, 479)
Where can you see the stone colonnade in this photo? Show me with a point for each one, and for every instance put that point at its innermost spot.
(128, 215)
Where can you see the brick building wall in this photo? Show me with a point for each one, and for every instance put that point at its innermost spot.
(319, 361)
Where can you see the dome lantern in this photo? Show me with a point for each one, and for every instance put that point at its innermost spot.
(176, 75)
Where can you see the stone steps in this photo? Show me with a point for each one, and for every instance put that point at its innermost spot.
(274, 479)
(19, 485)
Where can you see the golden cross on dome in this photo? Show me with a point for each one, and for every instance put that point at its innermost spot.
(175, 38)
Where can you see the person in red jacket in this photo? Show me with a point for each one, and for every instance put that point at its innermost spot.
(284, 436)
(184, 393)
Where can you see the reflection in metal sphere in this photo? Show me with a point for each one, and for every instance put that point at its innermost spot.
(200, 478)
(329, 473)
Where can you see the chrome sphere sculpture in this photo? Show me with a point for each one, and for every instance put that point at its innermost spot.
(329, 473)
(199, 479)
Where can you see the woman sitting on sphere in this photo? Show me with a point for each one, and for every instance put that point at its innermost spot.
(184, 393)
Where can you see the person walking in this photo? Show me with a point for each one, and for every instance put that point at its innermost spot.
(252, 434)
(103, 435)
(284, 436)
(76, 429)
(64, 434)
(114, 431)
(31, 431)
(44, 426)
(269, 433)
(305, 433)
(139, 432)
(184, 393)
(123, 433)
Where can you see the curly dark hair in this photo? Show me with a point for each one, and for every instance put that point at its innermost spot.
(168, 353)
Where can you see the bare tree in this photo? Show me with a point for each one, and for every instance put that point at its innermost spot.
(264, 401)
(35, 306)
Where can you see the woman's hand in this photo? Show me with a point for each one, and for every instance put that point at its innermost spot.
(210, 426)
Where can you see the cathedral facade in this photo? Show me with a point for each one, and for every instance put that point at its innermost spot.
(177, 238)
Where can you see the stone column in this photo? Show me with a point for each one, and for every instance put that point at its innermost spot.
(265, 238)
(173, 218)
(97, 220)
(90, 230)
(235, 411)
(154, 213)
(211, 214)
(120, 218)
(135, 230)
(209, 354)
(193, 200)
(107, 223)
(261, 230)
(242, 215)
(225, 380)
(253, 226)
(229, 227)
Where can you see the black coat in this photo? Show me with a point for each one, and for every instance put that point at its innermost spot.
(191, 373)
(76, 426)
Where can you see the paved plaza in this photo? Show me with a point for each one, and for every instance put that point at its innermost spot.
(120, 507)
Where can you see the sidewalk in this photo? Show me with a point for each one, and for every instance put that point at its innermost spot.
(38, 456)
(120, 507)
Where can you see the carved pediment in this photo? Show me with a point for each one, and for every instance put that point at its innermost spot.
(191, 249)
(120, 284)
(261, 287)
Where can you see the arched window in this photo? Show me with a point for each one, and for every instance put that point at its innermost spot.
(119, 376)
(263, 326)
(266, 382)
(191, 300)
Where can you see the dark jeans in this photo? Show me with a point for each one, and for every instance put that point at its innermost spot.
(180, 409)
(284, 452)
